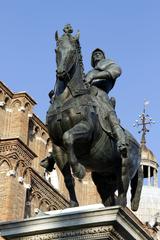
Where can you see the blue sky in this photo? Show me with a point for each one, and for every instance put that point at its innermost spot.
(128, 31)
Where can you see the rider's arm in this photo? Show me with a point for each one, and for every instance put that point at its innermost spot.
(96, 74)
(102, 75)
(108, 65)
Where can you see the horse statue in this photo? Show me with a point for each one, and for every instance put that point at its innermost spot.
(79, 140)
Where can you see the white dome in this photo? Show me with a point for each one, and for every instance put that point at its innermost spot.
(148, 157)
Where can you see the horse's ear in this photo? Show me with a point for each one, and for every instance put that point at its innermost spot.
(56, 36)
(77, 36)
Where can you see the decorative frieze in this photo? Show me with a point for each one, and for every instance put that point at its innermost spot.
(16, 147)
(97, 233)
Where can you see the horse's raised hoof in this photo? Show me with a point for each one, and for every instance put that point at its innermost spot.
(79, 171)
(73, 204)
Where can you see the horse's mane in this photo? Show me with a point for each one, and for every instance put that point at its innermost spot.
(73, 39)
(80, 58)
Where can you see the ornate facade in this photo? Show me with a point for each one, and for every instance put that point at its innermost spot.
(23, 142)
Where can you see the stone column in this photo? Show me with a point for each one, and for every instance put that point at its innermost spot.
(149, 175)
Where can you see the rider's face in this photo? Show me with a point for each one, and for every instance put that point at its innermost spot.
(97, 56)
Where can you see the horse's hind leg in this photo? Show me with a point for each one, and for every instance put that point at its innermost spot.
(123, 183)
(105, 189)
(136, 188)
(70, 185)
(81, 131)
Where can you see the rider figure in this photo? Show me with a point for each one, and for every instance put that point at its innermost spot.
(103, 75)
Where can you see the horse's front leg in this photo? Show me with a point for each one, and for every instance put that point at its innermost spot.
(70, 185)
(81, 131)
(64, 166)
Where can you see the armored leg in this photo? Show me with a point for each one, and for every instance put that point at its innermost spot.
(119, 133)
(115, 123)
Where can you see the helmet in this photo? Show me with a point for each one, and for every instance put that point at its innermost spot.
(96, 50)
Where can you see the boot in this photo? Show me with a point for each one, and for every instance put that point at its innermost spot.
(121, 140)
(119, 133)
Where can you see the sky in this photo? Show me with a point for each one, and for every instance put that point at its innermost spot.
(128, 32)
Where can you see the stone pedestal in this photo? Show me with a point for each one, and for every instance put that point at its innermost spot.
(88, 222)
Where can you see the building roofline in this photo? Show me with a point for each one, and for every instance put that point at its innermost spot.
(4, 87)
(39, 122)
(24, 94)
(16, 95)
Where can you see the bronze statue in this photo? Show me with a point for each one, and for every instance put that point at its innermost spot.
(83, 132)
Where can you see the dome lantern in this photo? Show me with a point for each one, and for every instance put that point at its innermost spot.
(148, 160)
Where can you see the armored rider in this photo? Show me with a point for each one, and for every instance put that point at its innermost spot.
(104, 75)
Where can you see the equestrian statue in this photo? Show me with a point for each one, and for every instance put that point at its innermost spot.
(84, 128)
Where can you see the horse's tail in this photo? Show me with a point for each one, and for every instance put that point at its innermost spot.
(136, 188)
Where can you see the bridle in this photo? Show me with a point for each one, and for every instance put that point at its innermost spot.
(72, 63)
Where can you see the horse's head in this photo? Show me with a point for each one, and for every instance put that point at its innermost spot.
(67, 54)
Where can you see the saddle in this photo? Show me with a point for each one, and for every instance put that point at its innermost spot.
(93, 97)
